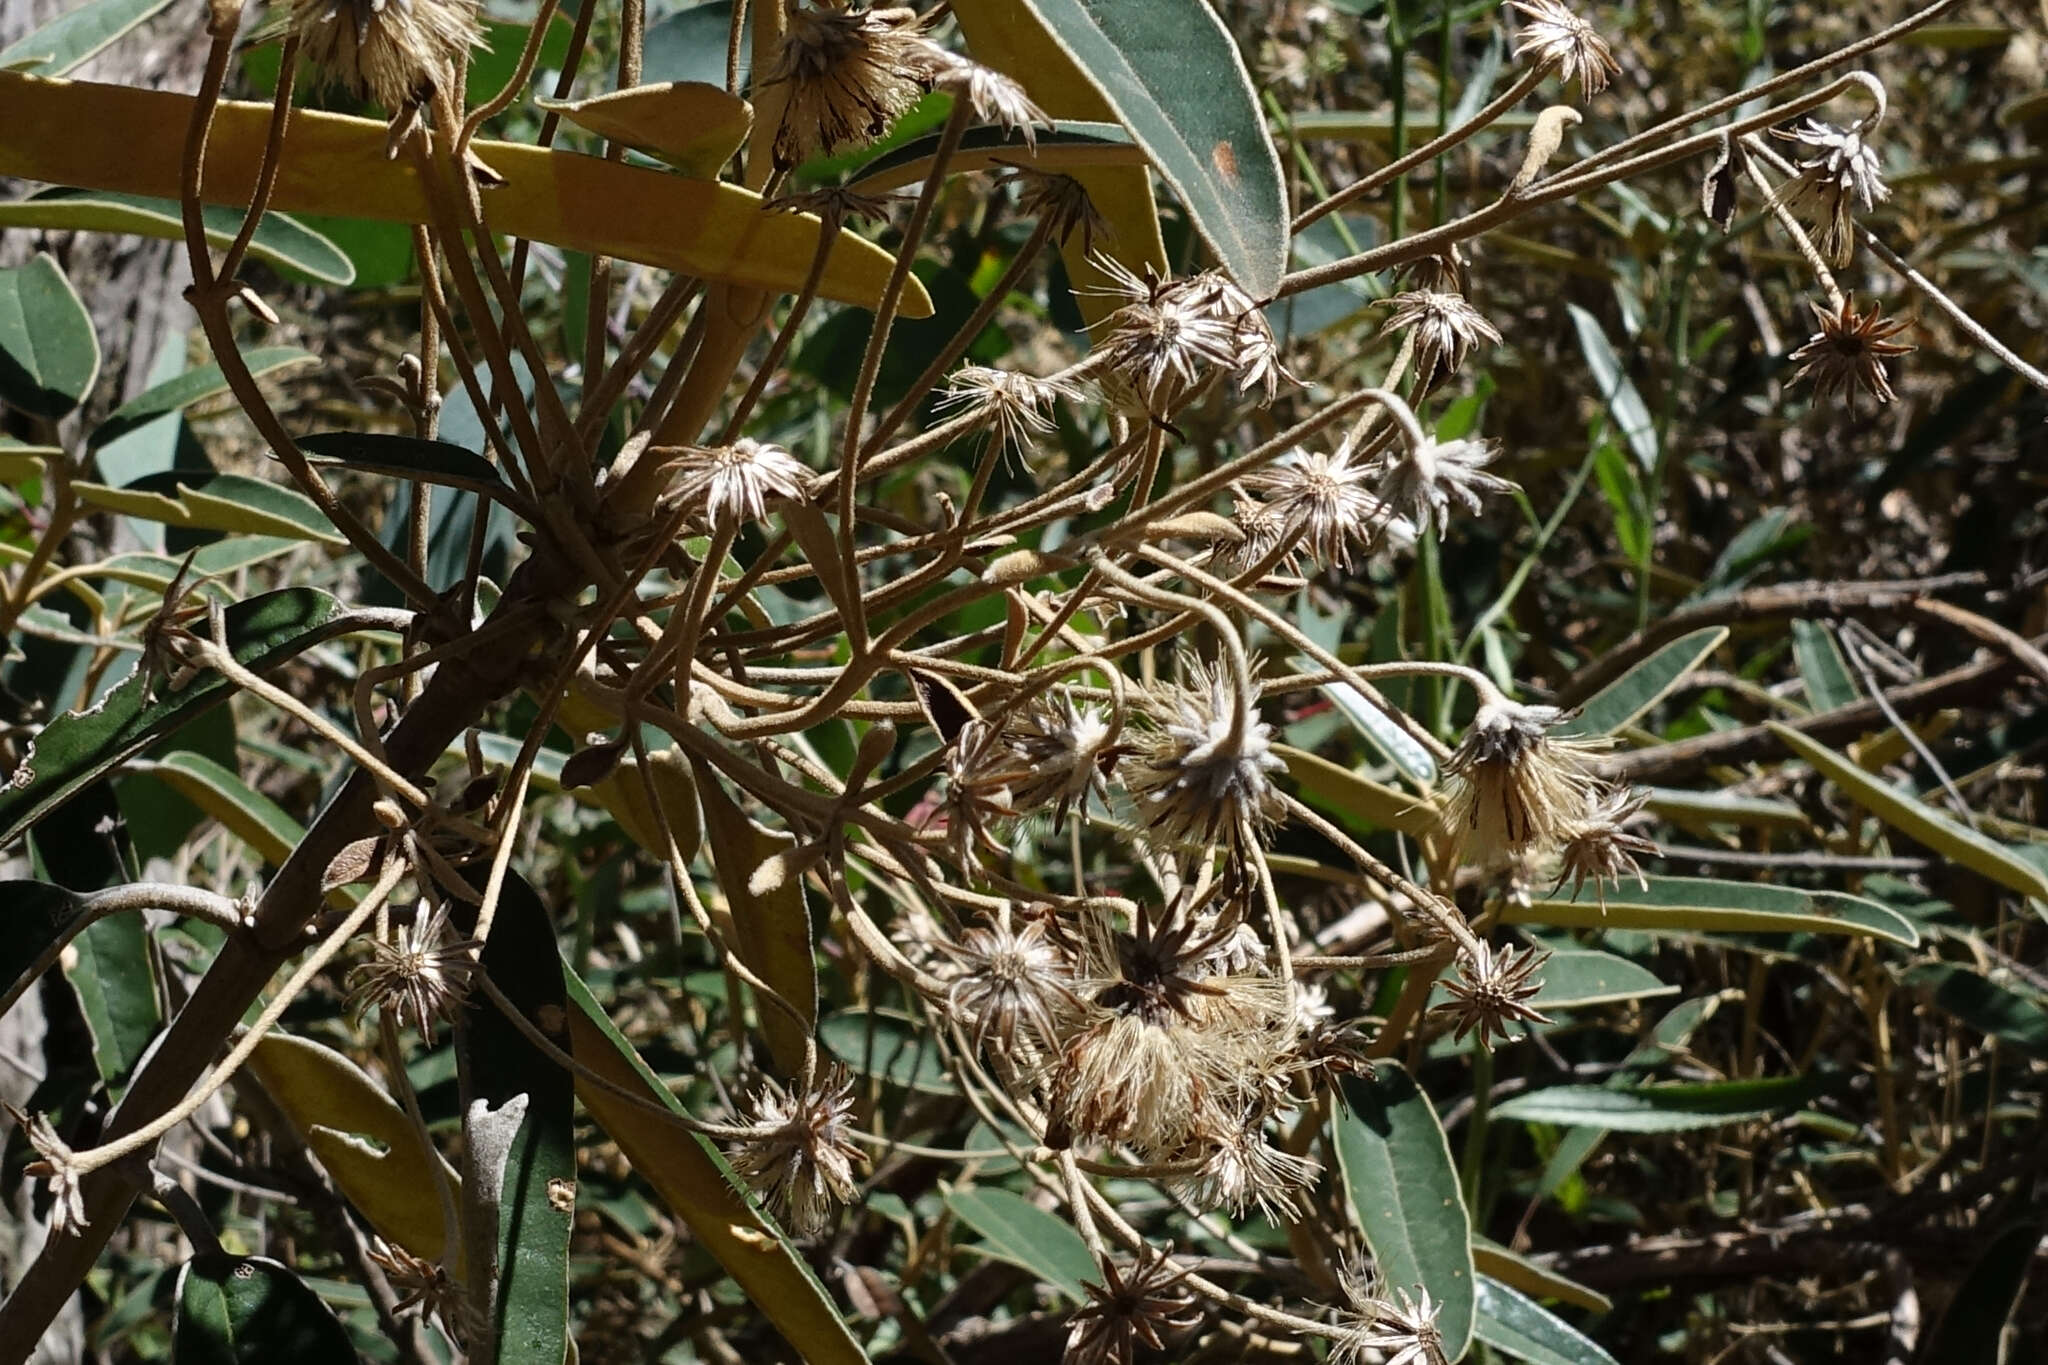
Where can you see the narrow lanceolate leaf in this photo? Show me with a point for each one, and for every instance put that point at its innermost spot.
(406, 457)
(76, 36)
(280, 239)
(200, 501)
(1984, 1005)
(1517, 1325)
(20, 462)
(1016, 1230)
(75, 749)
(1628, 698)
(49, 355)
(1344, 792)
(193, 386)
(1068, 146)
(1518, 1272)
(1919, 821)
(1173, 76)
(1822, 667)
(111, 972)
(1377, 726)
(1397, 1165)
(535, 1201)
(1617, 390)
(1574, 977)
(692, 125)
(769, 915)
(692, 1177)
(1706, 905)
(116, 137)
(243, 811)
(251, 1310)
(362, 1137)
(1659, 1108)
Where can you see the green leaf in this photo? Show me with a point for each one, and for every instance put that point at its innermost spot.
(407, 457)
(252, 1310)
(1513, 1323)
(1705, 905)
(1631, 414)
(201, 501)
(110, 972)
(76, 36)
(1346, 793)
(243, 811)
(193, 386)
(1973, 1330)
(1018, 1231)
(1659, 1108)
(49, 355)
(537, 1196)
(1173, 76)
(1822, 667)
(1984, 1005)
(281, 240)
(1918, 820)
(692, 1177)
(1575, 977)
(1068, 145)
(892, 1046)
(773, 923)
(20, 462)
(1518, 1272)
(75, 749)
(1404, 1186)
(1630, 697)
(1401, 748)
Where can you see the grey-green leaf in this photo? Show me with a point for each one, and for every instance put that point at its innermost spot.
(1018, 1231)
(193, 386)
(407, 457)
(76, 36)
(252, 1310)
(1630, 413)
(1984, 1005)
(1397, 1166)
(1699, 905)
(280, 239)
(1822, 667)
(49, 355)
(1629, 697)
(1659, 1108)
(1172, 73)
(1513, 1323)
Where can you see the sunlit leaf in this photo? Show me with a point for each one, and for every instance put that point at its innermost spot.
(1658, 1108)
(1628, 698)
(1014, 1229)
(1704, 905)
(202, 501)
(692, 125)
(280, 239)
(49, 354)
(193, 386)
(76, 36)
(1516, 1325)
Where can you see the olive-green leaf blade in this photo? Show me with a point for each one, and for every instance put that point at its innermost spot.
(1576, 977)
(252, 1310)
(49, 354)
(1705, 905)
(280, 239)
(1822, 667)
(890, 1046)
(1344, 792)
(1173, 75)
(1918, 820)
(193, 386)
(406, 457)
(77, 748)
(1985, 1006)
(1016, 1230)
(1397, 1166)
(1631, 414)
(1659, 1108)
(76, 36)
(1630, 696)
(692, 1177)
(200, 501)
(1519, 1272)
(243, 811)
(1515, 1324)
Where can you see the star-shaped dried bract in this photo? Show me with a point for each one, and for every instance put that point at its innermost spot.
(1493, 989)
(1848, 353)
(1138, 1303)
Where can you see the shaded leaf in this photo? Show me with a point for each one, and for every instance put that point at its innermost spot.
(49, 355)
(243, 811)
(36, 920)
(110, 972)
(1659, 1108)
(1574, 977)
(281, 240)
(892, 1046)
(1973, 1330)
(1016, 1230)
(1345, 792)
(252, 1310)
(622, 793)
(1628, 698)
(1984, 1005)
(1516, 1325)
(1822, 667)
(1701, 905)
(1496, 1262)
(193, 386)
(1630, 413)
(407, 457)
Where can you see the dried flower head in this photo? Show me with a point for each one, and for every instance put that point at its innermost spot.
(1848, 353)
(418, 980)
(799, 1157)
(1559, 40)
(721, 484)
(1003, 978)
(1838, 174)
(396, 52)
(1597, 847)
(1324, 501)
(1516, 786)
(1139, 1303)
(992, 96)
(1420, 480)
(1204, 764)
(1446, 328)
(1061, 201)
(1493, 989)
(1015, 406)
(1240, 1170)
(424, 1286)
(846, 75)
(58, 1164)
(1062, 751)
(1391, 1328)
(1165, 344)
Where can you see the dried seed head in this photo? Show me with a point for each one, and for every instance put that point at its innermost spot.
(1136, 1304)
(992, 96)
(1596, 847)
(1838, 174)
(721, 484)
(1014, 406)
(1516, 787)
(1390, 1328)
(1446, 328)
(1165, 344)
(1061, 751)
(417, 980)
(847, 74)
(1493, 989)
(1241, 1171)
(1324, 500)
(1204, 764)
(424, 1286)
(1558, 40)
(58, 1164)
(1848, 353)
(1062, 201)
(1420, 481)
(396, 52)
(799, 1158)
(1003, 979)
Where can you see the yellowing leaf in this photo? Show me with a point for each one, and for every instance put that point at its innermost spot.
(622, 793)
(19, 463)
(336, 1106)
(116, 137)
(691, 125)
(1340, 789)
